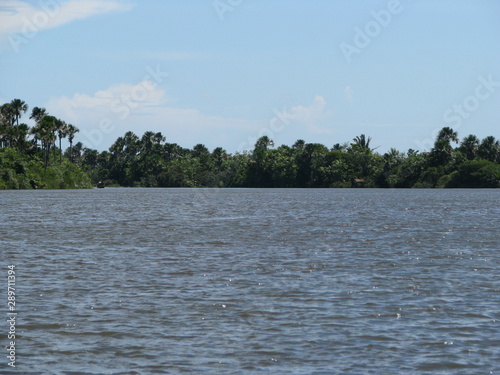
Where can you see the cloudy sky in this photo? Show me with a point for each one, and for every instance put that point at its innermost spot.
(224, 72)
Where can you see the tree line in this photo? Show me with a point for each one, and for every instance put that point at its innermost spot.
(29, 156)
(150, 161)
(44, 134)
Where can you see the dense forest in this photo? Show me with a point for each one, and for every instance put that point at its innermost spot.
(32, 157)
(29, 157)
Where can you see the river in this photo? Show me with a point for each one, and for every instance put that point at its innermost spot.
(252, 281)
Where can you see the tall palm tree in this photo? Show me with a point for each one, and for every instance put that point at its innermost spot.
(45, 131)
(131, 144)
(470, 146)
(117, 148)
(37, 113)
(18, 107)
(147, 141)
(263, 143)
(62, 132)
(447, 134)
(442, 152)
(71, 131)
(159, 138)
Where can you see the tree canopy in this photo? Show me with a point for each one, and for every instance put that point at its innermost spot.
(151, 160)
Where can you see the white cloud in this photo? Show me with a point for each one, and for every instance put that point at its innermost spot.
(119, 100)
(21, 21)
(108, 114)
(311, 116)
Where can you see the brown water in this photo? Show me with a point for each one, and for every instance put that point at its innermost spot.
(242, 281)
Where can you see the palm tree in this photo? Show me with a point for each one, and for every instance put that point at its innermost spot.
(38, 113)
(489, 149)
(131, 143)
(18, 108)
(10, 135)
(341, 147)
(5, 123)
(299, 144)
(70, 132)
(50, 138)
(171, 151)
(442, 152)
(263, 143)
(200, 150)
(77, 152)
(8, 114)
(118, 147)
(447, 134)
(3, 130)
(45, 131)
(470, 146)
(19, 135)
(151, 139)
(362, 144)
(62, 132)
(159, 138)
(219, 155)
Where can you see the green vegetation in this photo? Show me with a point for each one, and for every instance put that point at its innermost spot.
(150, 161)
(21, 171)
(36, 163)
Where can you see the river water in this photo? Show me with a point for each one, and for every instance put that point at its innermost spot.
(253, 281)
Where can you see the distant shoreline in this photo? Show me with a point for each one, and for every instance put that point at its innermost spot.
(32, 158)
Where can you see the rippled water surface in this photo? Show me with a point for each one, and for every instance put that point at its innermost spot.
(241, 281)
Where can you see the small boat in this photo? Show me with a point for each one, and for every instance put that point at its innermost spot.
(358, 183)
(100, 185)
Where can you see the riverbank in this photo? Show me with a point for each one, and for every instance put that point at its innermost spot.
(23, 171)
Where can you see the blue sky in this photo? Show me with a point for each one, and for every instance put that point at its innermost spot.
(224, 72)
